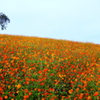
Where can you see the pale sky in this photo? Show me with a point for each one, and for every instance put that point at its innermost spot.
(75, 20)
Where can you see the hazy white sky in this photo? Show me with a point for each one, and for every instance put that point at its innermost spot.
(76, 20)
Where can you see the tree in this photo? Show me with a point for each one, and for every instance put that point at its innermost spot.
(3, 21)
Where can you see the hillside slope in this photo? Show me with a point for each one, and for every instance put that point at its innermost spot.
(42, 68)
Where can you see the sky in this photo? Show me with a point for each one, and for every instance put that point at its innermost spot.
(75, 20)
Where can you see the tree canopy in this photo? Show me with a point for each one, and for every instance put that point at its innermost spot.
(3, 21)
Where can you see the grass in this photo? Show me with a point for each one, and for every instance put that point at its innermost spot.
(33, 68)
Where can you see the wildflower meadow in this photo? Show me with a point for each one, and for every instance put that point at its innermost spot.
(34, 68)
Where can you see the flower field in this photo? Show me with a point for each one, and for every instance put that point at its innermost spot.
(33, 68)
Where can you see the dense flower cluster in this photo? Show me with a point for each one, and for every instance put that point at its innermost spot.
(33, 68)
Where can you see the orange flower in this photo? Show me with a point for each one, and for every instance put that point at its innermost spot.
(1, 89)
(70, 91)
(86, 94)
(85, 83)
(26, 90)
(46, 93)
(1, 98)
(81, 96)
(54, 67)
(26, 96)
(43, 99)
(30, 93)
(75, 98)
(51, 89)
(89, 98)
(99, 70)
(77, 89)
(39, 90)
(45, 70)
(96, 93)
(15, 58)
(32, 79)
(6, 97)
(53, 98)
(18, 86)
(80, 86)
(99, 76)
(39, 71)
(27, 82)
(41, 83)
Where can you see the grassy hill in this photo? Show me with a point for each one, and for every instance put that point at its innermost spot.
(33, 68)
